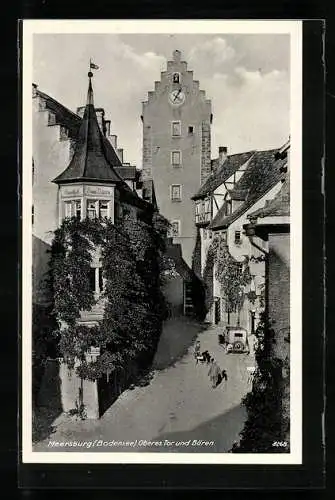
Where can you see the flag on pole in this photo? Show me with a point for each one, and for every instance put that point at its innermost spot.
(93, 66)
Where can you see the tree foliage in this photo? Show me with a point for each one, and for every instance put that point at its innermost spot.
(265, 424)
(133, 302)
(232, 275)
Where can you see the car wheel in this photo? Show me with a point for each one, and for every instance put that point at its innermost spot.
(238, 346)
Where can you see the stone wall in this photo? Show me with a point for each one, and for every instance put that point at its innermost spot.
(279, 312)
(205, 151)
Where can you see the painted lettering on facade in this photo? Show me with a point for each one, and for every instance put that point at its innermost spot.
(72, 191)
(96, 190)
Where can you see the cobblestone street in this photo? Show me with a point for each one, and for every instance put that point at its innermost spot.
(179, 404)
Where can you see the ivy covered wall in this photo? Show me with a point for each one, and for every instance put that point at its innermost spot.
(134, 304)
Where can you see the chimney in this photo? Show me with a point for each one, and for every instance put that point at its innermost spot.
(80, 111)
(222, 154)
(100, 112)
(113, 140)
(108, 127)
(119, 152)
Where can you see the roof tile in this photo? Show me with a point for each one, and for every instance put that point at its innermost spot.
(220, 174)
(262, 174)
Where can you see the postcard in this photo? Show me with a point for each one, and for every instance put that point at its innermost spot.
(162, 241)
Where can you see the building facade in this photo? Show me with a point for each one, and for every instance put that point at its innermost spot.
(177, 121)
(271, 225)
(55, 134)
(77, 172)
(239, 184)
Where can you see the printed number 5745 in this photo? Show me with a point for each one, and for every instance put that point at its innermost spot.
(279, 444)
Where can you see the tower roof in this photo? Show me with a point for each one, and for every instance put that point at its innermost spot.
(90, 161)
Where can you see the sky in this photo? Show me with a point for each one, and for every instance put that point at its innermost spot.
(247, 77)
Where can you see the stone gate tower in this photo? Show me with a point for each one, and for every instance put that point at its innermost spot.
(177, 121)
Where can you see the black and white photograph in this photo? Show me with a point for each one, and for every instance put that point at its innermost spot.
(161, 241)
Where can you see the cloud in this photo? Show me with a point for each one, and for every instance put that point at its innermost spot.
(250, 106)
(212, 55)
(251, 109)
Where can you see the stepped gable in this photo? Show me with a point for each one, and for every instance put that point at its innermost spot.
(262, 174)
(63, 116)
(66, 118)
(221, 174)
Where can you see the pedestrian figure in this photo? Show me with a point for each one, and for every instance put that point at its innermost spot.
(224, 375)
(206, 357)
(214, 373)
(197, 351)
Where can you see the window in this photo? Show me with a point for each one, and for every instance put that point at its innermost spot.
(32, 215)
(207, 206)
(63, 133)
(96, 279)
(103, 209)
(92, 279)
(176, 158)
(176, 78)
(101, 280)
(228, 207)
(175, 228)
(91, 212)
(51, 119)
(77, 209)
(176, 129)
(190, 130)
(205, 234)
(238, 237)
(176, 192)
(68, 208)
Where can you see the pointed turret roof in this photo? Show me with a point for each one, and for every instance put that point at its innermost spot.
(90, 161)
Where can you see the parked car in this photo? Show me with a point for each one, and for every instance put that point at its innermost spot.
(235, 339)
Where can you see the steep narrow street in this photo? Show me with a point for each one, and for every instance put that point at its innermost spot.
(179, 403)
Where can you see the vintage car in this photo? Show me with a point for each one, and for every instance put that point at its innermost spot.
(235, 339)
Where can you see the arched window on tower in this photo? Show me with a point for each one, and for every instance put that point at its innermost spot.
(176, 78)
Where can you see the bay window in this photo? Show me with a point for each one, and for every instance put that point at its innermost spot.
(72, 208)
(97, 209)
(91, 210)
